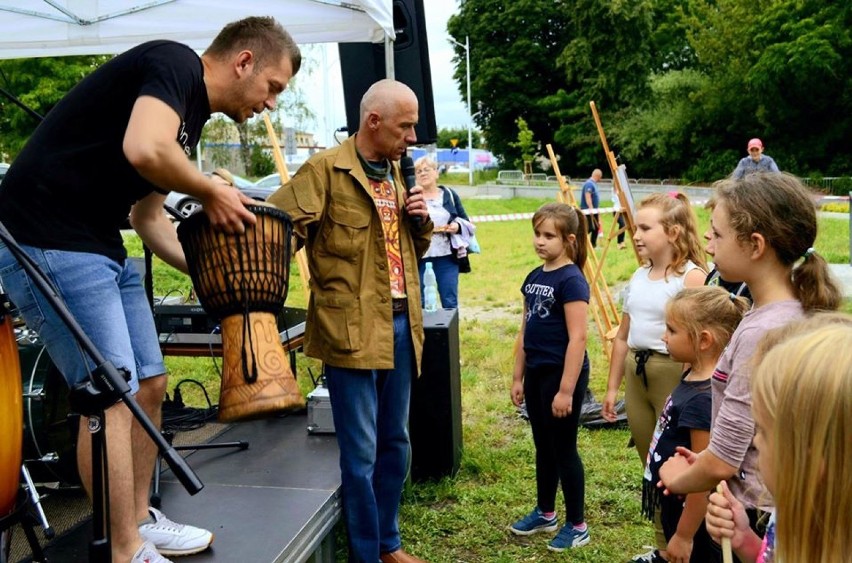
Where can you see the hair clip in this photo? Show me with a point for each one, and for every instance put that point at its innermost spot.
(673, 194)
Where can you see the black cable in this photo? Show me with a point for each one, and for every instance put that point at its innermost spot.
(216, 330)
(177, 417)
(162, 300)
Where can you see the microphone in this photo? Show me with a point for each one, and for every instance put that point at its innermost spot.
(406, 165)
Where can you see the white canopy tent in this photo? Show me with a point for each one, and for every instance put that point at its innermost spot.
(41, 28)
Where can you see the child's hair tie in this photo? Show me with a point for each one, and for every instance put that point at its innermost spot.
(732, 296)
(808, 253)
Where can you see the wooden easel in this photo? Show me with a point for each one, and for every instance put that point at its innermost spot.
(621, 191)
(281, 165)
(604, 310)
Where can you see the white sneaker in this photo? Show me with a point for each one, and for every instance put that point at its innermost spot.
(147, 553)
(171, 538)
(652, 556)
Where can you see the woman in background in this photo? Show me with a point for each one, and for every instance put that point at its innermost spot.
(447, 213)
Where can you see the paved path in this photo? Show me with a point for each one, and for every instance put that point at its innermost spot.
(843, 274)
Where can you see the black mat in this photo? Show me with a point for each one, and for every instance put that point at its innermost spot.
(274, 502)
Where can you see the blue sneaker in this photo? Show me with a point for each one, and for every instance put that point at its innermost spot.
(568, 537)
(532, 523)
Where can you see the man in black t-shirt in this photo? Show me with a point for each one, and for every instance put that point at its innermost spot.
(115, 146)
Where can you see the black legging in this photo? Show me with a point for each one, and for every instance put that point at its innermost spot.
(556, 455)
(592, 226)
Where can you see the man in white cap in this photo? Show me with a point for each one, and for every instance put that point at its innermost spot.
(756, 161)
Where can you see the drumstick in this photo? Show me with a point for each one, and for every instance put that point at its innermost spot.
(727, 554)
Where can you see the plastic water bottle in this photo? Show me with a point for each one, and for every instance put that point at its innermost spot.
(430, 289)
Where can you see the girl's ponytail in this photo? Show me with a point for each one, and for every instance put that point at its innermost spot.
(813, 284)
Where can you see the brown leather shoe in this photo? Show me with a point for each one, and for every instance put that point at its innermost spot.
(399, 556)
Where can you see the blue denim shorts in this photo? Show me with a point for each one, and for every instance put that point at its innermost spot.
(105, 298)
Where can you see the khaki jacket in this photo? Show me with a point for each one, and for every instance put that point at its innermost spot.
(350, 316)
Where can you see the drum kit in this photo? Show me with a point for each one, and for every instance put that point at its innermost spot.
(241, 279)
(24, 429)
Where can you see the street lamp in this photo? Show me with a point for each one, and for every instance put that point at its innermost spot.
(466, 48)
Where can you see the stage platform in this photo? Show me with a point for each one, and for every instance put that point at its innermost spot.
(277, 501)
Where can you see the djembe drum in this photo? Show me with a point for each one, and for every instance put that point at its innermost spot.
(242, 280)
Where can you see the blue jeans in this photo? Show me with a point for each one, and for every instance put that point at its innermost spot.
(370, 411)
(104, 297)
(447, 275)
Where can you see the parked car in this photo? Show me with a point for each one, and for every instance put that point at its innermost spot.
(458, 169)
(186, 204)
(3, 168)
(272, 181)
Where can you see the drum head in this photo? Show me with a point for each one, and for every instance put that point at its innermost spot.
(235, 274)
(50, 428)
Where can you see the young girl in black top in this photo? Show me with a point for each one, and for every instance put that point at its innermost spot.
(552, 371)
(699, 324)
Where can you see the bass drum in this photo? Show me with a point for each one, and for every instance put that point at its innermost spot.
(10, 417)
(50, 429)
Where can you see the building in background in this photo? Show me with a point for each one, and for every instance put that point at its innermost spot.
(457, 160)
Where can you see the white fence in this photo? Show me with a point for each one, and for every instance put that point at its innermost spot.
(516, 177)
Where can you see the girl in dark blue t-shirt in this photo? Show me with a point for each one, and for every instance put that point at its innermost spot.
(551, 371)
(699, 324)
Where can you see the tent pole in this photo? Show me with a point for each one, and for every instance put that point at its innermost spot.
(389, 68)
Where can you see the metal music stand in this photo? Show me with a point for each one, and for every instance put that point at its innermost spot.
(104, 387)
(169, 436)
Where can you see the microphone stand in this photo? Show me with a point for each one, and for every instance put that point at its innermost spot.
(105, 387)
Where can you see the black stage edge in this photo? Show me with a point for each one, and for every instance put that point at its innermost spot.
(277, 501)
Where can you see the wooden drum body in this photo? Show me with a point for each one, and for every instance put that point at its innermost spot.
(242, 281)
(11, 416)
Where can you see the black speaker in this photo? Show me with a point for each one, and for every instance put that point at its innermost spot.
(434, 421)
(362, 64)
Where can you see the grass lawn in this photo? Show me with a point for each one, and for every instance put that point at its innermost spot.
(464, 519)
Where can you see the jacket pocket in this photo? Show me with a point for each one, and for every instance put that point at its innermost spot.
(339, 321)
(345, 231)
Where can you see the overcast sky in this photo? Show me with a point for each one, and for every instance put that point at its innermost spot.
(325, 90)
(450, 106)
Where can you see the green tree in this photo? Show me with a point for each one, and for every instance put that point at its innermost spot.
(777, 70)
(445, 134)
(255, 152)
(545, 61)
(607, 61)
(526, 145)
(39, 84)
(802, 83)
(262, 163)
(669, 42)
(513, 46)
(664, 137)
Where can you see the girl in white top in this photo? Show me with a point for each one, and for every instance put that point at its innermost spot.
(667, 241)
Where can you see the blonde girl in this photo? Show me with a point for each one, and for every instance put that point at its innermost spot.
(802, 406)
(551, 372)
(763, 229)
(667, 241)
(699, 324)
